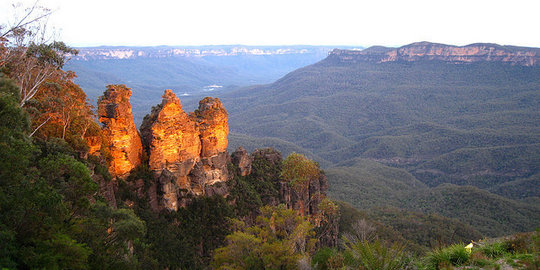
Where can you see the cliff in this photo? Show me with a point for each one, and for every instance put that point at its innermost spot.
(423, 51)
(121, 137)
(304, 201)
(187, 153)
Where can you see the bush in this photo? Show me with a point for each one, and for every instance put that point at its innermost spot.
(494, 250)
(327, 259)
(377, 255)
(454, 255)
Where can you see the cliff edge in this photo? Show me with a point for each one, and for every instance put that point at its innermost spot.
(424, 51)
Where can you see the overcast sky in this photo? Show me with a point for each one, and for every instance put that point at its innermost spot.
(287, 22)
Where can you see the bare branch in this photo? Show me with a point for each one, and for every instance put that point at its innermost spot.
(38, 127)
(27, 19)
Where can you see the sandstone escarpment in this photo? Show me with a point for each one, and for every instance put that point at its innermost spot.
(186, 153)
(121, 137)
(424, 51)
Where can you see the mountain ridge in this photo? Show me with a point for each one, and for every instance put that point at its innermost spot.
(133, 52)
(476, 52)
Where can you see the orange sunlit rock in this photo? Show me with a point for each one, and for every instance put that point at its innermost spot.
(213, 123)
(186, 152)
(120, 133)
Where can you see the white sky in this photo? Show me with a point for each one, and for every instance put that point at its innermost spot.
(287, 22)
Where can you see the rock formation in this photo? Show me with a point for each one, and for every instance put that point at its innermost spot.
(121, 137)
(479, 52)
(305, 201)
(186, 153)
(212, 120)
(242, 160)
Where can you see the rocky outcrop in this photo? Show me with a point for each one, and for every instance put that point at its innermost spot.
(187, 153)
(242, 160)
(172, 143)
(305, 201)
(212, 119)
(422, 51)
(121, 137)
(94, 144)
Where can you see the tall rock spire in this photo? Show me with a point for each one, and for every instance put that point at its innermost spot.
(120, 133)
(186, 153)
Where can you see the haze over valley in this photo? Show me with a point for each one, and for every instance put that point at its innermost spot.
(311, 135)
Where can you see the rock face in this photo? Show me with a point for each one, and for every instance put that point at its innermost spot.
(242, 160)
(120, 134)
(187, 153)
(212, 120)
(478, 52)
(304, 201)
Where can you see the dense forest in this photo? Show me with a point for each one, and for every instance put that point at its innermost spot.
(57, 212)
(459, 140)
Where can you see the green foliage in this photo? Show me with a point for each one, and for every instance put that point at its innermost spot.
(490, 214)
(54, 53)
(377, 255)
(70, 178)
(298, 170)
(488, 254)
(386, 131)
(14, 120)
(246, 199)
(205, 224)
(366, 183)
(50, 216)
(454, 255)
(277, 241)
(494, 250)
(326, 259)
(425, 230)
(264, 178)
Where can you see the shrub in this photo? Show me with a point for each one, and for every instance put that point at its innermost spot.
(494, 250)
(327, 259)
(454, 255)
(377, 255)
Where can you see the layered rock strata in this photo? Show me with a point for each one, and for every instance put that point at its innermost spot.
(121, 137)
(426, 51)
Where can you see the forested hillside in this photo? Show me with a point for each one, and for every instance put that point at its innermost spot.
(388, 132)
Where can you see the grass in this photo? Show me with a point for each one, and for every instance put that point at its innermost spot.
(378, 255)
(441, 258)
(520, 251)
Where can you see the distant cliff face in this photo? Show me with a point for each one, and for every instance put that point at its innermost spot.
(186, 152)
(421, 51)
(120, 134)
(105, 53)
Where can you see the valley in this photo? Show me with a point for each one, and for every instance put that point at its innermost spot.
(188, 70)
(388, 125)
(404, 132)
